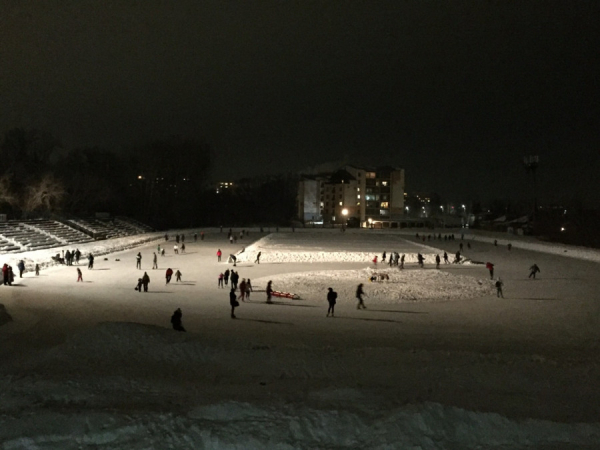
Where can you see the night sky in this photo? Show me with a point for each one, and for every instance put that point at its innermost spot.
(455, 92)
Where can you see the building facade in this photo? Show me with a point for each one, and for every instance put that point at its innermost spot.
(369, 197)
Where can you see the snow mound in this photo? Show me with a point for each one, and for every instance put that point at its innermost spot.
(402, 286)
(234, 425)
(5, 317)
(283, 248)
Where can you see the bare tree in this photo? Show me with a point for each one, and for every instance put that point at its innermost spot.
(44, 194)
(6, 193)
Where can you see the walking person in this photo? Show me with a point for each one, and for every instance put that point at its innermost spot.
(21, 267)
(138, 261)
(176, 320)
(234, 259)
(176, 249)
(437, 261)
(154, 261)
(183, 247)
(533, 270)
(257, 260)
(168, 275)
(90, 261)
(331, 299)
(243, 289)
(145, 281)
(446, 260)
(139, 285)
(178, 275)
(375, 261)
(234, 279)
(226, 277)
(420, 259)
(383, 256)
(219, 253)
(248, 288)
(402, 258)
(359, 293)
(5, 273)
(233, 302)
(499, 285)
(489, 266)
(220, 282)
(37, 269)
(79, 275)
(269, 291)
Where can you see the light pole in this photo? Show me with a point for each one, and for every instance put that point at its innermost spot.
(531, 163)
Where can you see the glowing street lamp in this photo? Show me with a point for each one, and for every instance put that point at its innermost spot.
(344, 212)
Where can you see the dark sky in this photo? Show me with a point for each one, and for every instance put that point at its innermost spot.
(454, 91)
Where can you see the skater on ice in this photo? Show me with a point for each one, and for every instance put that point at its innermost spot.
(533, 270)
(176, 320)
(359, 293)
(331, 299)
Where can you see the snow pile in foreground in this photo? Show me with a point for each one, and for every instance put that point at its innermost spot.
(234, 425)
(402, 286)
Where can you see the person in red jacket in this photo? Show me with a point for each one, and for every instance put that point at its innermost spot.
(168, 275)
(489, 266)
(219, 255)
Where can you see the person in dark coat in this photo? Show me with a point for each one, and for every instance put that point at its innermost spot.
(269, 291)
(21, 267)
(359, 294)
(499, 285)
(68, 258)
(437, 261)
(77, 256)
(234, 279)
(420, 259)
(90, 261)
(5, 274)
(257, 260)
(154, 261)
(234, 259)
(139, 285)
(233, 302)
(226, 277)
(145, 281)
(331, 299)
(446, 261)
(533, 270)
(138, 261)
(168, 275)
(178, 275)
(176, 320)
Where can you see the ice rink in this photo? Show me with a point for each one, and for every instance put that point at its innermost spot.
(435, 361)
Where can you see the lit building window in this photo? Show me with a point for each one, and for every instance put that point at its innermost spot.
(340, 203)
(384, 183)
(370, 174)
(358, 196)
(385, 204)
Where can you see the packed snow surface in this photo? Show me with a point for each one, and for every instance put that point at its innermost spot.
(436, 361)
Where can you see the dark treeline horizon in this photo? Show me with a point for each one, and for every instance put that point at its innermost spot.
(164, 183)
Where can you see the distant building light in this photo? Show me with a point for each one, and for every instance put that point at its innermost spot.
(340, 203)
(562, 228)
(140, 177)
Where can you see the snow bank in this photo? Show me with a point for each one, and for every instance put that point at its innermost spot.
(234, 425)
(402, 286)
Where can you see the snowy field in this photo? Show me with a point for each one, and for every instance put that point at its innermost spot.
(436, 361)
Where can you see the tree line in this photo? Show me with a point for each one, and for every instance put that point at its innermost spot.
(164, 183)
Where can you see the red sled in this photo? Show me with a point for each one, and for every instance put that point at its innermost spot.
(285, 295)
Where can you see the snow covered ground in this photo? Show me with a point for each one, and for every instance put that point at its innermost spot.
(436, 360)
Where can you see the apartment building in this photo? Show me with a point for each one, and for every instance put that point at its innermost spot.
(371, 197)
